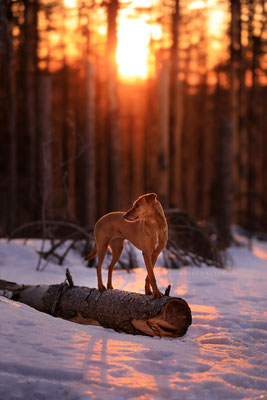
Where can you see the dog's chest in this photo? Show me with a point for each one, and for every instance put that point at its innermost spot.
(152, 235)
(156, 240)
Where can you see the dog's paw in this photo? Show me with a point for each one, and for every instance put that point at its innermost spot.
(157, 295)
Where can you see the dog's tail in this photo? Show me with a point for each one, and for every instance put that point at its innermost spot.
(92, 254)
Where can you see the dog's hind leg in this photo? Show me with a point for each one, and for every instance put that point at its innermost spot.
(101, 252)
(116, 246)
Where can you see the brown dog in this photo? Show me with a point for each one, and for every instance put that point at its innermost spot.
(144, 225)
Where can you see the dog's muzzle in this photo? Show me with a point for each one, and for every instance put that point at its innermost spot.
(129, 218)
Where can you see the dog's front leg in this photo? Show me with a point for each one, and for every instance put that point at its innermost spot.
(147, 286)
(100, 284)
(151, 277)
(154, 258)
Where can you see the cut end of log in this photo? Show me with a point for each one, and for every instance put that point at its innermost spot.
(178, 314)
(173, 321)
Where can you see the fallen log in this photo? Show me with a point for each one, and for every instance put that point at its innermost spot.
(122, 311)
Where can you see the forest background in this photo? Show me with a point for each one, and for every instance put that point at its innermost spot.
(102, 101)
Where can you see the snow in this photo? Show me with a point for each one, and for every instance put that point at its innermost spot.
(223, 355)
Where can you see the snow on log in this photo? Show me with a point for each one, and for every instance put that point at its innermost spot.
(122, 311)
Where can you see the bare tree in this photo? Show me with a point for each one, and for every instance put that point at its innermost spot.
(254, 135)
(89, 155)
(30, 51)
(44, 144)
(112, 127)
(224, 193)
(235, 65)
(175, 112)
(10, 113)
(163, 145)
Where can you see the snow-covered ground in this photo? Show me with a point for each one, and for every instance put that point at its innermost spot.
(223, 355)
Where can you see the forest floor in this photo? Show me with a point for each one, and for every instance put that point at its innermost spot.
(222, 356)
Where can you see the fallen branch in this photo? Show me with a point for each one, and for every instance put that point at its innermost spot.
(39, 224)
(122, 311)
(191, 242)
(58, 233)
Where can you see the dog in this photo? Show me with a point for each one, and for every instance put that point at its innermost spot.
(144, 225)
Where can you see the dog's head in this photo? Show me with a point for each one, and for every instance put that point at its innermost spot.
(142, 208)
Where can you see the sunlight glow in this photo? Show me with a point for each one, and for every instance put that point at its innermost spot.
(216, 22)
(260, 253)
(133, 48)
(70, 3)
(139, 36)
(195, 5)
(203, 311)
(200, 4)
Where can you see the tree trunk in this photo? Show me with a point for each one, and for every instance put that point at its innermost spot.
(11, 114)
(253, 134)
(175, 114)
(235, 73)
(151, 139)
(112, 123)
(30, 101)
(127, 312)
(68, 130)
(225, 182)
(163, 144)
(68, 144)
(89, 207)
(44, 144)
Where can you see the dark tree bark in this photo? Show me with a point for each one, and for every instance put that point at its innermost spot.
(44, 144)
(163, 145)
(30, 50)
(11, 114)
(151, 139)
(86, 168)
(225, 181)
(89, 214)
(112, 122)
(254, 147)
(127, 312)
(175, 114)
(235, 74)
(68, 144)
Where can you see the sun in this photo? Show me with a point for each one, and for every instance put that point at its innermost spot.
(133, 49)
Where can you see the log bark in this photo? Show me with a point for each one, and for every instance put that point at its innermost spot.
(128, 312)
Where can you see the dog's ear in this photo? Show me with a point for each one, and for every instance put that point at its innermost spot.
(151, 197)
